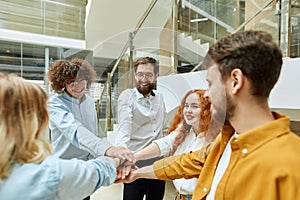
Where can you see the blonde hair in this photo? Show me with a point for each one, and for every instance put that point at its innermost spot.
(23, 121)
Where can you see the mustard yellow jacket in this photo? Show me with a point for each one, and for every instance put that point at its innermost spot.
(264, 164)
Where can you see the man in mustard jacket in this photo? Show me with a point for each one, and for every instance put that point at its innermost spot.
(256, 156)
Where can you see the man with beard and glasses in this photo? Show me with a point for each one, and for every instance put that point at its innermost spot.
(256, 156)
(141, 120)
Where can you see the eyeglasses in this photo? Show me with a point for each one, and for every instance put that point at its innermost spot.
(148, 75)
(79, 82)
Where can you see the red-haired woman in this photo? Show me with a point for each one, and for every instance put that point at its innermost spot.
(187, 132)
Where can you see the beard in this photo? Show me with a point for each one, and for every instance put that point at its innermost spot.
(222, 113)
(220, 116)
(145, 89)
(230, 108)
(215, 126)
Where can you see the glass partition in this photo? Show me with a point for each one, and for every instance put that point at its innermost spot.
(29, 60)
(56, 18)
(295, 29)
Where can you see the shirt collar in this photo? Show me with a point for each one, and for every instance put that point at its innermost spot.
(258, 136)
(141, 96)
(72, 99)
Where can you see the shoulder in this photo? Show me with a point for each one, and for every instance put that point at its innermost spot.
(127, 93)
(55, 97)
(158, 94)
(57, 102)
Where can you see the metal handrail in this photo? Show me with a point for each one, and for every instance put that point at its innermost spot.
(241, 26)
(111, 74)
(254, 15)
(138, 26)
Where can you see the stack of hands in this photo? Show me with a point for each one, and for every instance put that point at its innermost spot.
(125, 163)
(125, 171)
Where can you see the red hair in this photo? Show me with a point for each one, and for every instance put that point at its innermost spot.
(184, 130)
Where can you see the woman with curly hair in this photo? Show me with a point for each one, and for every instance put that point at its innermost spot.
(73, 120)
(188, 132)
(28, 170)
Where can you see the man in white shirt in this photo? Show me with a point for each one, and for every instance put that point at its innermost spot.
(142, 119)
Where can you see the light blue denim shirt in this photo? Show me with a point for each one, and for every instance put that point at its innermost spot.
(56, 179)
(74, 128)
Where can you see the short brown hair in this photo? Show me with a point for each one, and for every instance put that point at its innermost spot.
(146, 60)
(254, 53)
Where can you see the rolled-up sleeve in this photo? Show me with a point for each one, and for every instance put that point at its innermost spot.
(165, 144)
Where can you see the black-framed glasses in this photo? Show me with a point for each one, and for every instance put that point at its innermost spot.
(78, 82)
(148, 75)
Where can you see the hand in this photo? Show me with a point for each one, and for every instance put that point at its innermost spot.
(121, 152)
(124, 170)
(128, 179)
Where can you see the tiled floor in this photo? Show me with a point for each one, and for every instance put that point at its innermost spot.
(114, 192)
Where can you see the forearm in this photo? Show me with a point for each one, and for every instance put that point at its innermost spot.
(151, 151)
(144, 172)
(90, 142)
(187, 165)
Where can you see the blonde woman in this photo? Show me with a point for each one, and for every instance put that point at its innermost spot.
(27, 169)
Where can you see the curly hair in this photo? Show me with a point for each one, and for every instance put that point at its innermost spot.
(63, 71)
(184, 130)
(23, 121)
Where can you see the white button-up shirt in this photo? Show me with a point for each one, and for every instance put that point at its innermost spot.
(140, 119)
(191, 143)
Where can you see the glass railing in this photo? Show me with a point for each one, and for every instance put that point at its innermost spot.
(156, 36)
(178, 34)
(211, 20)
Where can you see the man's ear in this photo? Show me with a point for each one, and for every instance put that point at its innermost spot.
(237, 79)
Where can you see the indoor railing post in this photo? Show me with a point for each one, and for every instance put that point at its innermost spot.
(108, 103)
(174, 56)
(130, 60)
(284, 27)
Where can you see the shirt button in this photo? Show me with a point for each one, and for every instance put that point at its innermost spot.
(244, 151)
(204, 189)
(235, 140)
